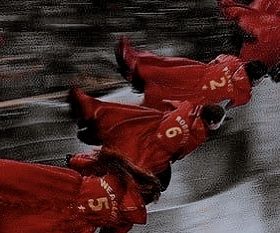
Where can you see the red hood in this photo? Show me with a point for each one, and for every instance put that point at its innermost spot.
(81, 104)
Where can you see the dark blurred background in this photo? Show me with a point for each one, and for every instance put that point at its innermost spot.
(49, 45)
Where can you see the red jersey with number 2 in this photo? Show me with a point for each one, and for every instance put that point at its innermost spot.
(222, 79)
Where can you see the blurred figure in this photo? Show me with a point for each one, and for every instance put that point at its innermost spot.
(148, 138)
(260, 22)
(107, 192)
(171, 78)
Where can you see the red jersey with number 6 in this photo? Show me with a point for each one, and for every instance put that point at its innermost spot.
(147, 137)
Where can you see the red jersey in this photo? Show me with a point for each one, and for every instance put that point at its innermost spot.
(222, 79)
(146, 137)
(268, 6)
(38, 198)
(261, 20)
(133, 57)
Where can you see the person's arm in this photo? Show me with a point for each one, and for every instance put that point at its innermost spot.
(242, 96)
(218, 59)
(84, 163)
(174, 103)
(82, 106)
(197, 137)
(239, 101)
(245, 16)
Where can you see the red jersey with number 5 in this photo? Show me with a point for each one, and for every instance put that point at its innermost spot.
(39, 198)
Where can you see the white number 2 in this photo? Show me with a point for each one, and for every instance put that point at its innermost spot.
(214, 84)
(173, 132)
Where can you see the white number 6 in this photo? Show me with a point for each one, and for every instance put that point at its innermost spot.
(173, 132)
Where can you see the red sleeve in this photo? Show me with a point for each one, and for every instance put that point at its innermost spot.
(268, 6)
(252, 21)
(172, 103)
(132, 207)
(33, 182)
(242, 88)
(227, 59)
(133, 210)
(245, 18)
(164, 61)
(219, 59)
(173, 75)
(83, 105)
(198, 135)
(86, 164)
(241, 99)
(81, 160)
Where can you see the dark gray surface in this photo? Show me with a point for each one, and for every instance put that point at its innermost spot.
(49, 43)
(230, 184)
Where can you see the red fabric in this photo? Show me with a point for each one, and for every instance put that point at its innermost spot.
(131, 201)
(37, 198)
(268, 6)
(133, 56)
(222, 79)
(84, 163)
(182, 129)
(134, 132)
(261, 20)
(149, 58)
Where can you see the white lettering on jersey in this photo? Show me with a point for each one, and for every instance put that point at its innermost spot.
(104, 184)
(102, 203)
(225, 80)
(185, 127)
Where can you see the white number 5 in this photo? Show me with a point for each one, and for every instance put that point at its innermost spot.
(173, 132)
(100, 203)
